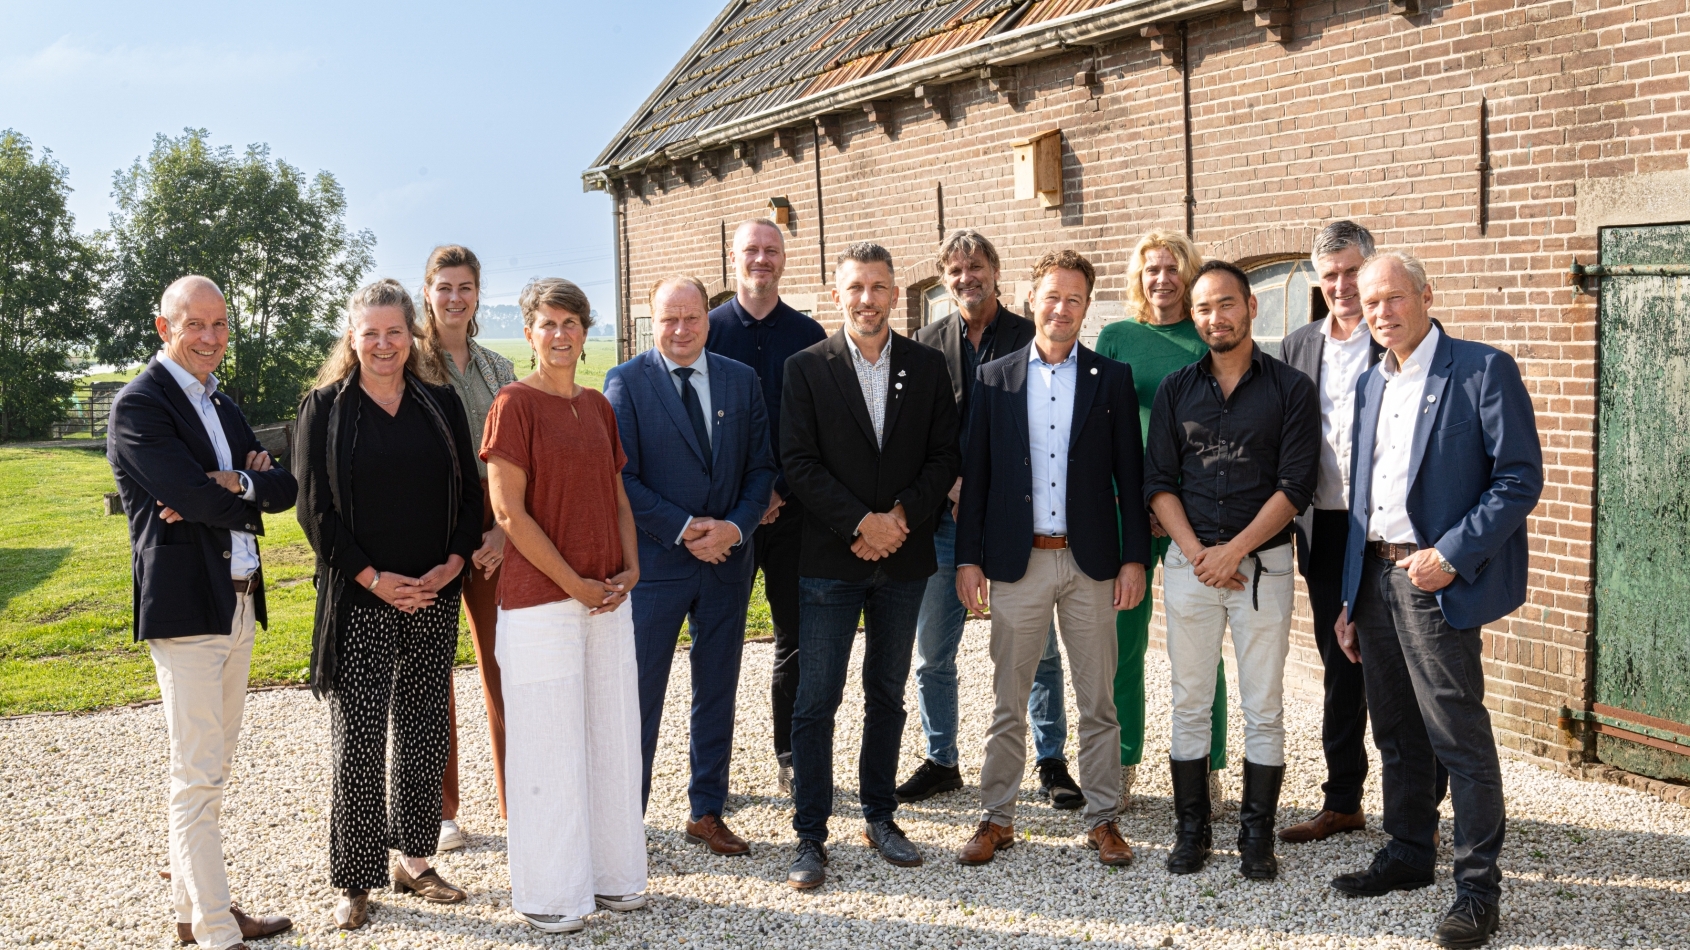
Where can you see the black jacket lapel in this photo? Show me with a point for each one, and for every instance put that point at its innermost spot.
(850, 391)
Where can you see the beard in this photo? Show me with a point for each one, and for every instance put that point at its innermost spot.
(867, 326)
(1227, 346)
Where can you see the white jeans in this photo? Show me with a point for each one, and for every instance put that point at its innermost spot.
(1198, 617)
(202, 681)
(572, 757)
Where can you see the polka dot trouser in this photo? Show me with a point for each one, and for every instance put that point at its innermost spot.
(394, 667)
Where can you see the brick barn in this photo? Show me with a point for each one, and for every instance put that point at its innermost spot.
(1504, 141)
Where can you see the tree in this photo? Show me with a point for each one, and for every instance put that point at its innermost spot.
(273, 240)
(47, 281)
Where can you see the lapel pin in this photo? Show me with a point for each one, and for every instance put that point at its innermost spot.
(900, 372)
(897, 385)
(1431, 398)
(1094, 371)
(720, 413)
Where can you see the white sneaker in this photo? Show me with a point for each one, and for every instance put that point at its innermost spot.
(552, 923)
(623, 904)
(1129, 774)
(451, 836)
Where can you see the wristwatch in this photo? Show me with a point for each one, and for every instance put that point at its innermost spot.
(1443, 563)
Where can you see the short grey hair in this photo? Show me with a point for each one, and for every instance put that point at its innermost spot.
(1340, 236)
(557, 293)
(1410, 265)
(865, 252)
(967, 242)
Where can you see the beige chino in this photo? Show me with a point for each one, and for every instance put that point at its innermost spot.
(202, 681)
(1085, 620)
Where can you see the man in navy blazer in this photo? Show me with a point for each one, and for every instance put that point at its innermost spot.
(1446, 468)
(174, 442)
(699, 470)
(1052, 513)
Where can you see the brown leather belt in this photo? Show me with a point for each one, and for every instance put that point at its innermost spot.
(247, 584)
(1046, 542)
(1391, 552)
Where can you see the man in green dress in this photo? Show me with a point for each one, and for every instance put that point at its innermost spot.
(1160, 339)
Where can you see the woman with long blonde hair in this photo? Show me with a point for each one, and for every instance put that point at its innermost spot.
(451, 301)
(1159, 339)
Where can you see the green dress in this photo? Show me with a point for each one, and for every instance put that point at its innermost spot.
(1153, 352)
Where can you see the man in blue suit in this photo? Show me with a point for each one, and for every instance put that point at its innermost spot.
(1446, 468)
(195, 483)
(699, 470)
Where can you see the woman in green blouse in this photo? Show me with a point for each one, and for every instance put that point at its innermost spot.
(451, 299)
(1158, 340)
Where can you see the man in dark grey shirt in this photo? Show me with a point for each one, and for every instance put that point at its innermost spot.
(1233, 452)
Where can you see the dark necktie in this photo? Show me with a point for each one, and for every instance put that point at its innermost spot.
(695, 412)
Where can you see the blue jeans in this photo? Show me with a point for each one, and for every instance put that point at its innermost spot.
(938, 633)
(827, 626)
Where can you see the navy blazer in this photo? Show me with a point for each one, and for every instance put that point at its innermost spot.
(1105, 471)
(159, 451)
(666, 476)
(1476, 471)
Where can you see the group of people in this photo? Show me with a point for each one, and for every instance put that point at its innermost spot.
(872, 478)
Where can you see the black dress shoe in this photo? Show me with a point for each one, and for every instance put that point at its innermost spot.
(1057, 785)
(1469, 923)
(1386, 874)
(809, 868)
(887, 838)
(929, 780)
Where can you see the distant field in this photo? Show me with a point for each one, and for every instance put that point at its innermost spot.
(600, 357)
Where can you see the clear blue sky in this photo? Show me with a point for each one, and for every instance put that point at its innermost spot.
(465, 123)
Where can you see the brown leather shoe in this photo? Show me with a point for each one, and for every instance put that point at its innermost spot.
(1111, 848)
(713, 833)
(1323, 826)
(428, 885)
(353, 911)
(988, 840)
(252, 928)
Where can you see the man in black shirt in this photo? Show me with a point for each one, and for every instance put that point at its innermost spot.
(1233, 453)
(756, 328)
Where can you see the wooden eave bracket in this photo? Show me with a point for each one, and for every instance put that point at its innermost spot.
(1164, 39)
(882, 112)
(1273, 16)
(935, 98)
(1405, 7)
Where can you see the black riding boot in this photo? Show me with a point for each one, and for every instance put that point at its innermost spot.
(1255, 820)
(1193, 840)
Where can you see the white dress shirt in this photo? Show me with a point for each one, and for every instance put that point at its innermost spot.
(1050, 418)
(1399, 409)
(243, 548)
(875, 379)
(1341, 364)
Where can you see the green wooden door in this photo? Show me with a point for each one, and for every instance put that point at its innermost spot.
(1643, 505)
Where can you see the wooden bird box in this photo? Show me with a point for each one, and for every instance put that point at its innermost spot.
(1038, 168)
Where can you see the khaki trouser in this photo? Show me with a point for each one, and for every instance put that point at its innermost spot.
(202, 681)
(1085, 620)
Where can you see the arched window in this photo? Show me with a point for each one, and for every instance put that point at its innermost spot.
(936, 304)
(1284, 291)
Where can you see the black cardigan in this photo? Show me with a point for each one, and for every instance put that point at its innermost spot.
(324, 440)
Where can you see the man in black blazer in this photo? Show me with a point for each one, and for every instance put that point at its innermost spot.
(1055, 457)
(869, 445)
(980, 331)
(1334, 352)
(173, 442)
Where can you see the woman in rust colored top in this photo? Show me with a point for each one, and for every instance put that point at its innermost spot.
(576, 838)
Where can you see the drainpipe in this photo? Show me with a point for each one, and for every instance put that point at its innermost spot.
(619, 233)
(1185, 94)
(821, 227)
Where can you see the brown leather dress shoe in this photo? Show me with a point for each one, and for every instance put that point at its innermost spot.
(252, 928)
(713, 833)
(1323, 826)
(428, 885)
(988, 840)
(1111, 848)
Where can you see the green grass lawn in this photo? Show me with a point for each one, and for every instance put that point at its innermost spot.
(600, 357)
(65, 632)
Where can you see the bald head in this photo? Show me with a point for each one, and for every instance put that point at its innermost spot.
(193, 322)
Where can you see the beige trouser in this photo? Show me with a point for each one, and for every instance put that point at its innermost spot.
(203, 683)
(1085, 619)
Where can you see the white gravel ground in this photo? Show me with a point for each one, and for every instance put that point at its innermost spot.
(82, 837)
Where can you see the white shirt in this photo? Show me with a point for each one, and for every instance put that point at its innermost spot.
(1399, 409)
(243, 549)
(1341, 364)
(1050, 418)
(700, 384)
(874, 378)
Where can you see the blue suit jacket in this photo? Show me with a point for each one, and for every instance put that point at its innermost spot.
(1107, 522)
(1476, 471)
(159, 452)
(665, 475)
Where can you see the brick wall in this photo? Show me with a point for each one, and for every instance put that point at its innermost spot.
(1364, 114)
